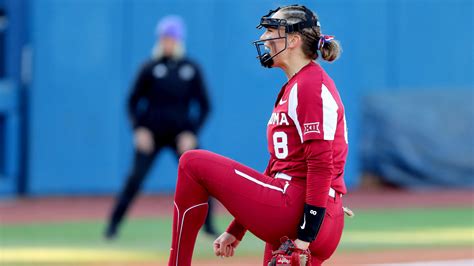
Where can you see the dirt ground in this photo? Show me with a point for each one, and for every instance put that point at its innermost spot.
(28, 210)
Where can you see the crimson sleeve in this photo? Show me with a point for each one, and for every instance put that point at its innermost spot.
(236, 229)
(318, 154)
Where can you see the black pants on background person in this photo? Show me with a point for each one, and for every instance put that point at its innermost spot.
(141, 166)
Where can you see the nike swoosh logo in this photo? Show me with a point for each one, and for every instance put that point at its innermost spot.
(304, 222)
(283, 102)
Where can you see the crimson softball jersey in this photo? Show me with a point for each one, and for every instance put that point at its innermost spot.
(308, 145)
(308, 108)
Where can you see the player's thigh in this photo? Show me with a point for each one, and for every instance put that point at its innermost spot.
(227, 179)
(270, 208)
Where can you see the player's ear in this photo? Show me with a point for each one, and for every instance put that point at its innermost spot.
(294, 40)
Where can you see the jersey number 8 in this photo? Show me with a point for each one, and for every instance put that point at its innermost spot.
(280, 143)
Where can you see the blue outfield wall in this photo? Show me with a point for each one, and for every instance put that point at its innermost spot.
(86, 54)
(9, 123)
(12, 31)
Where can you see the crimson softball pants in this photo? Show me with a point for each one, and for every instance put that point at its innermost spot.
(270, 208)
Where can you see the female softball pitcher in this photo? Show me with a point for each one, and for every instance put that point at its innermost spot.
(299, 195)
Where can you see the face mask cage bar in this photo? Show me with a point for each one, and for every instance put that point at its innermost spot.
(266, 60)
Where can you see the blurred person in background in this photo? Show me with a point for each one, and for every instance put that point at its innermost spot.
(160, 107)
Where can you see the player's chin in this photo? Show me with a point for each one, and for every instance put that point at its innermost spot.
(276, 63)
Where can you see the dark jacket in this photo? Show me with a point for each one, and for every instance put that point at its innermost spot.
(165, 96)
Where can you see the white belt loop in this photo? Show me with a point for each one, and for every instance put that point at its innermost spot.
(285, 187)
(283, 176)
(332, 193)
(280, 175)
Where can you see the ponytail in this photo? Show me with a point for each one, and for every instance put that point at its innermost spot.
(329, 48)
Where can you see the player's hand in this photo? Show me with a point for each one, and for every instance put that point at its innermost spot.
(185, 141)
(225, 245)
(143, 139)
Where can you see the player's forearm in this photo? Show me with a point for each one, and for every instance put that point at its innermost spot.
(318, 154)
(310, 223)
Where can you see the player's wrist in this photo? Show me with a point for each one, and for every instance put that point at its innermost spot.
(301, 244)
(236, 229)
(310, 222)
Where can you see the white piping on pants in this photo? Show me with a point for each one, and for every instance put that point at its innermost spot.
(182, 223)
(282, 190)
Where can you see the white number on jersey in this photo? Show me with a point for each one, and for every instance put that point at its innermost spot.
(280, 142)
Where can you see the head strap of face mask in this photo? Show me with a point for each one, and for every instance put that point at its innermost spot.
(275, 23)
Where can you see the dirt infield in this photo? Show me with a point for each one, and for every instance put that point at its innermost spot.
(27, 210)
(353, 258)
(360, 258)
(34, 210)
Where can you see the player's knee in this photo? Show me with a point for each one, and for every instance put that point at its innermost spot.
(187, 160)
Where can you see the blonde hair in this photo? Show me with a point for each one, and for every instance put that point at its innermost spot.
(178, 52)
